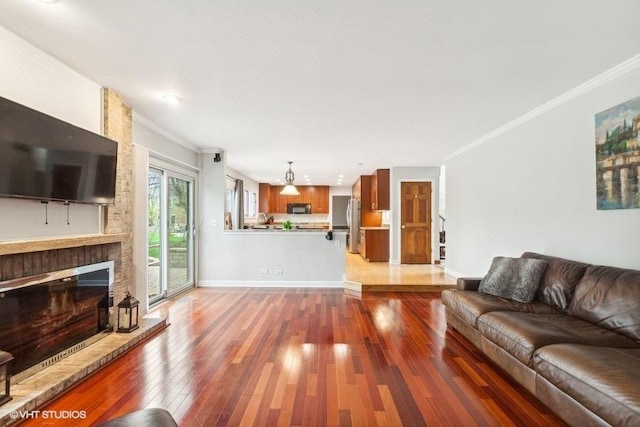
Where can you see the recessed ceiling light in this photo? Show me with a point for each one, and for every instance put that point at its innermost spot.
(341, 176)
(171, 99)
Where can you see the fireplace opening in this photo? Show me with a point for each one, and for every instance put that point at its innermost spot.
(48, 314)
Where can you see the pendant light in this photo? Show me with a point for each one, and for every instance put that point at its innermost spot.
(289, 189)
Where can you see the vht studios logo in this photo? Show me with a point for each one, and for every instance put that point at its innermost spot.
(49, 415)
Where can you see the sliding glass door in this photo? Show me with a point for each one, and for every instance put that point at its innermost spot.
(155, 236)
(170, 233)
(180, 243)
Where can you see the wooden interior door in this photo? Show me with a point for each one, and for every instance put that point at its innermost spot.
(415, 223)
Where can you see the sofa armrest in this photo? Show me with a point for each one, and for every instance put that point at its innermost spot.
(468, 283)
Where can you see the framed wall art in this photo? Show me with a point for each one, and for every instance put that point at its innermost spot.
(618, 156)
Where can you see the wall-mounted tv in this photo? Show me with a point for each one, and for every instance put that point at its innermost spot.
(44, 158)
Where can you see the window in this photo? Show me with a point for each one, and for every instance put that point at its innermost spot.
(253, 205)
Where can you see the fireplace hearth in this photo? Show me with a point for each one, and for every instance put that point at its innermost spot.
(48, 316)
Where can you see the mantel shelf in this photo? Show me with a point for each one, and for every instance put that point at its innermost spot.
(59, 242)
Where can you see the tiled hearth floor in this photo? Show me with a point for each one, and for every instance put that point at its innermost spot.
(382, 276)
(33, 392)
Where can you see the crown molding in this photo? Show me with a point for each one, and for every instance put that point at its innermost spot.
(626, 67)
(137, 117)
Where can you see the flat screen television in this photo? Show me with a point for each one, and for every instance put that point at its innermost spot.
(44, 158)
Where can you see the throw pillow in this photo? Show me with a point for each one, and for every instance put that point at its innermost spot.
(513, 278)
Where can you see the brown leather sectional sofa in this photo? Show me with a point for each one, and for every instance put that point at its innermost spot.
(576, 347)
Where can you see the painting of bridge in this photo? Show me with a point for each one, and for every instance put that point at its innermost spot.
(618, 156)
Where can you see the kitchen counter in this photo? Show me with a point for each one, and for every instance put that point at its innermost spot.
(277, 258)
(281, 231)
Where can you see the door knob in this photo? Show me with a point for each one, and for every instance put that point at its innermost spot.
(403, 226)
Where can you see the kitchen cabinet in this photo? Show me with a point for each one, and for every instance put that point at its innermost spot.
(374, 244)
(304, 196)
(319, 198)
(274, 202)
(277, 202)
(264, 197)
(281, 199)
(380, 198)
(368, 217)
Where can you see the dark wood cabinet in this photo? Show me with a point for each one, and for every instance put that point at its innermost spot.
(380, 197)
(374, 244)
(271, 201)
(304, 196)
(277, 202)
(264, 197)
(319, 198)
(368, 217)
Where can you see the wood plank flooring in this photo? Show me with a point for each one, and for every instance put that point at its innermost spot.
(283, 357)
(381, 276)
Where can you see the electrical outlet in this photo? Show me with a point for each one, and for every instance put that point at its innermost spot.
(214, 223)
(279, 272)
(336, 243)
(264, 271)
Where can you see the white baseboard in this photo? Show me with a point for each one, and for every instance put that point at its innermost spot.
(267, 284)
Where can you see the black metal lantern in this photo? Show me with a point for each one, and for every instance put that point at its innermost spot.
(128, 314)
(5, 376)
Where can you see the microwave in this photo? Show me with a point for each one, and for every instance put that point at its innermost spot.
(298, 208)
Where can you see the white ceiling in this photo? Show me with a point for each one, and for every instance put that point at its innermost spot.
(338, 86)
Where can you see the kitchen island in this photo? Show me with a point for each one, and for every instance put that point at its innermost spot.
(281, 258)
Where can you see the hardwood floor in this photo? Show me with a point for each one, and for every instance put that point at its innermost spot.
(382, 276)
(242, 357)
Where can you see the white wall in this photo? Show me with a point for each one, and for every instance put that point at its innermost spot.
(397, 176)
(339, 191)
(235, 258)
(33, 78)
(140, 221)
(276, 258)
(533, 188)
(162, 145)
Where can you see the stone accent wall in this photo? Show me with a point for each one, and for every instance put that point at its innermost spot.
(118, 125)
(32, 263)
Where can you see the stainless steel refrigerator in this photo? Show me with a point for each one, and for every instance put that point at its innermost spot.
(353, 222)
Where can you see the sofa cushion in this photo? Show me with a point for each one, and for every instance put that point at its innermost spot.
(604, 380)
(609, 297)
(470, 305)
(559, 279)
(521, 334)
(513, 278)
